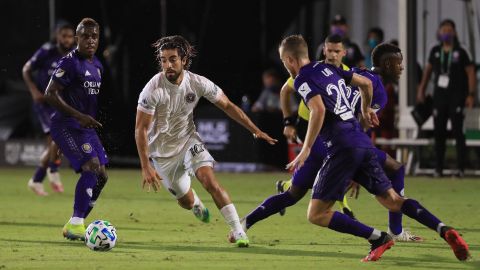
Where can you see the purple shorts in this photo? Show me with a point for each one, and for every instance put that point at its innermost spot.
(305, 176)
(360, 164)
(78, 144)
(44, 113)
(381, 156)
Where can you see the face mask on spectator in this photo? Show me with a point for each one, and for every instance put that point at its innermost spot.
(445, 37)
(372, 43)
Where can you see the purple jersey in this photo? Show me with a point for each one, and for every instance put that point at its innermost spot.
(43, 63)
(340, 128)
(82, 80)
(379, 99)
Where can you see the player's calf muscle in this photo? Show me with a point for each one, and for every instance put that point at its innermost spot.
(391, 200)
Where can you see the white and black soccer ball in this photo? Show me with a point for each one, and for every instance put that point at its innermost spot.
(100, 235)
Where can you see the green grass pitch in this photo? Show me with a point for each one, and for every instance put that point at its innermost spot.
(155, 233)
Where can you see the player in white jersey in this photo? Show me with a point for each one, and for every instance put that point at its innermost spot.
(166, 137)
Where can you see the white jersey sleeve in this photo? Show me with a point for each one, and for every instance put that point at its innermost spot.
(149, 97)
(209, 90)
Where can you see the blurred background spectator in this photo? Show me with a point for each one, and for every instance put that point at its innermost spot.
(454, 88)
(374, 37)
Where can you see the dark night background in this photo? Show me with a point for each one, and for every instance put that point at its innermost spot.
(235, 41)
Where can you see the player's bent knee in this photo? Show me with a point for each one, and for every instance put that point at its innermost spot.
(93, 165)
(391, 200)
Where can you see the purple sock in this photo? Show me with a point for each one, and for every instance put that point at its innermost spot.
(101, 181)
(39, 174)
(269, 207)
(416, 211)
(398, 184)
(83, 193)
(53, 166)
(344, 224)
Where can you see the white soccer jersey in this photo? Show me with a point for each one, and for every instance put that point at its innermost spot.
(172, 109)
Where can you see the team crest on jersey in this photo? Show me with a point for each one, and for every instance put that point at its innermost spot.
(190, 97)
(304, 90)
(60, 72)
(456, 56)
(87, 148)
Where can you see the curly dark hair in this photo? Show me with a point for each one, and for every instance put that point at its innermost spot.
(184, 49)
(382, 50)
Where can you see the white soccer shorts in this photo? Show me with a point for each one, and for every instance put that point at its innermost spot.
(177, 171)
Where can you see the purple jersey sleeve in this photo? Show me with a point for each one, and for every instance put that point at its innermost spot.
(345, 74)
(39, 56)
(306, 88)
(379, 98)
(65, 72)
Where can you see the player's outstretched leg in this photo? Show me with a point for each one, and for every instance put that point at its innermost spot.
(102, 179)
(52, 171)
(395, 228)
(36, 182)
(75, 228)
(320, 213)
(199, 210)
(221, 198)
(191, 201)
(281, 187)
(415, 210)
(274, 204)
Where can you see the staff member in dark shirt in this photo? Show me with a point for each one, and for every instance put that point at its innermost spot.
(455, 83)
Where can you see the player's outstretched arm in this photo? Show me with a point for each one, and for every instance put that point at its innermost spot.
(150, 177)
(234, 112)
(52, 96)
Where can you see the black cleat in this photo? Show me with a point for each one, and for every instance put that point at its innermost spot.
(349, 213)
(279, 186)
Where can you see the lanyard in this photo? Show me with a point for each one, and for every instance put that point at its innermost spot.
(449, 61)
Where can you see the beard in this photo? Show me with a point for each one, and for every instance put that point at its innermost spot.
(172, 77)
(65, 47)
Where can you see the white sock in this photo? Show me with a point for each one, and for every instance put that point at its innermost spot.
(439, 227)
(230, 215)
(375, 235)
(196, 199)
(76, 221)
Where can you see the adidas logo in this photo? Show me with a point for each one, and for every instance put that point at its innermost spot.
(87, 73)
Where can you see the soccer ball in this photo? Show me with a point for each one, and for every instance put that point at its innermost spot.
(100, 235)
